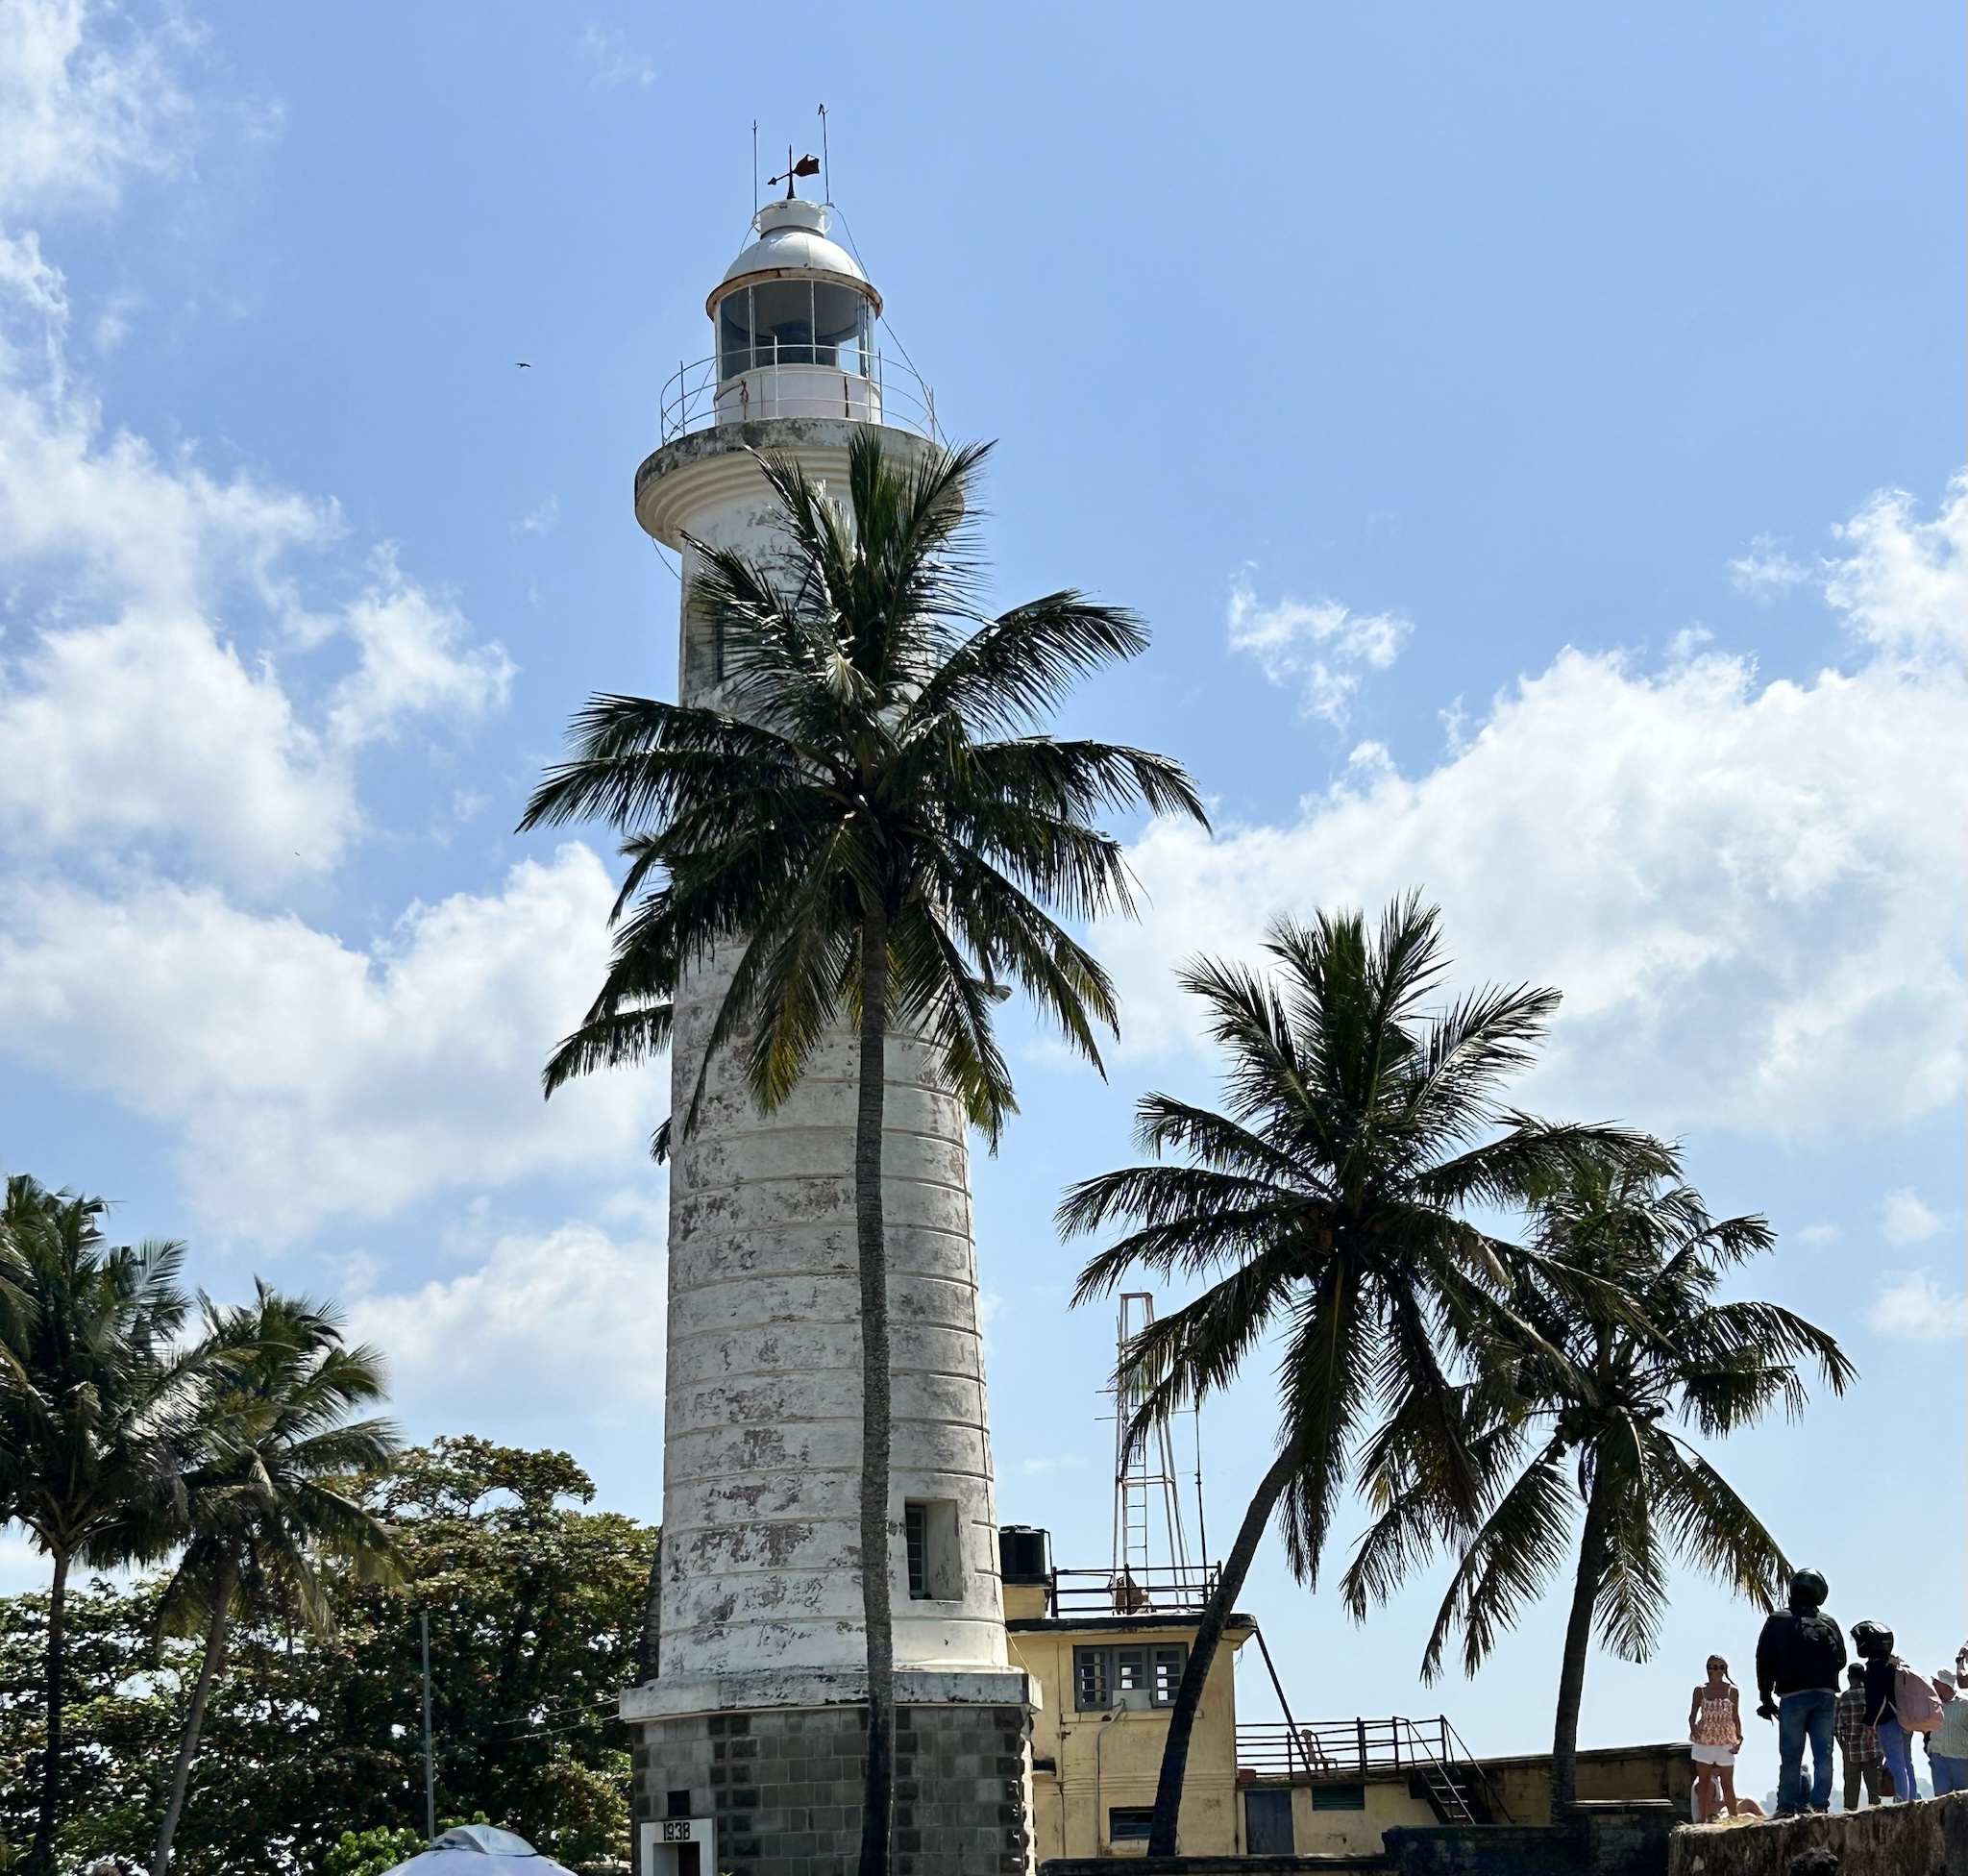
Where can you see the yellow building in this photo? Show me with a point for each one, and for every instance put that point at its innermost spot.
(1107, 1654)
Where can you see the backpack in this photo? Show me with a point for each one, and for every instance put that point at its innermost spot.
(1916, 1706)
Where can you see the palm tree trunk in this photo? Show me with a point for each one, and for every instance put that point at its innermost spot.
(878, 1608)
(1578, 1644)
(208, 1671)
(42, 1856)
(1202, 1651)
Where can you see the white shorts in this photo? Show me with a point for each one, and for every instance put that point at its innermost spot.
(1713, 1754)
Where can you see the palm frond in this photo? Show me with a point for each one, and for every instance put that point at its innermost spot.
(1510, 1562)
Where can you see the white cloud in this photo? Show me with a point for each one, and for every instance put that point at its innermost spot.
(99, 522)
(149, 731)
(1750, 892)
(571, 1316)
(1318, 646)
(85, 98)
(1766, 570)
(413, 662)
(541, 520)
(133, 726)
(126, 719)
(612, 62)
(307, 1078)
(1914, 1308)
(1904, 1221)
(155, 766)
(1901, 585)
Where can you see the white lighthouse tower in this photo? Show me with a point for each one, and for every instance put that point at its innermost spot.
(750, 1738)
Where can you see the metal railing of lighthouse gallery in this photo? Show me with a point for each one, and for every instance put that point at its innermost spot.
(799, 380)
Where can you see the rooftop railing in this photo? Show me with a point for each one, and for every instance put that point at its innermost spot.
(799, 380)
(1352, 1748)
(1163, 1590)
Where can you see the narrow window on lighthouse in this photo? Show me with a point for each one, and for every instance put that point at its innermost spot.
(916, 1532)
(929, 1530)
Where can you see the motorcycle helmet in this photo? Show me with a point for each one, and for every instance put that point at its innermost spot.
(1871, 1639)
(1809, 1590)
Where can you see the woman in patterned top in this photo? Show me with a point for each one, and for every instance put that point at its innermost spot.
(1714, 1723)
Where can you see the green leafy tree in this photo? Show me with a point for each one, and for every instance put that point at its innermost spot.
(119, 1724)
(535, 1606)
(269, 1499)
(1575, 1443)
(1331, 1205)
(871, 827)
(536, 1610)
(371, 1852)
(97, 1414)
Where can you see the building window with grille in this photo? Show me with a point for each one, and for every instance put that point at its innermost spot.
(915, 1519)
(929, 1534)
(1131, 1824)
(1107, 1677)
(1166, 1670)
(1090, 1680)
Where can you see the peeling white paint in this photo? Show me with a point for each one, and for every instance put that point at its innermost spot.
(761, 1596)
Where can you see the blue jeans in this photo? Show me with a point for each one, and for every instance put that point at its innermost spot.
(1809, 1715)
(1897, 1745)
(1949, 1774)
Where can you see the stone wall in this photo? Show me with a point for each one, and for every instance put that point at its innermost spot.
(784, 1787)
(1240, 1866)
(1617, 1774)
(1484, 1850)
(1608, 1839)
(1928, 1839)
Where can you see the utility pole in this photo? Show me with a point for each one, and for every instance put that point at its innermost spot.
(429, 1763)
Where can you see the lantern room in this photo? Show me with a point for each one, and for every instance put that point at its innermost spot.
(795, 321)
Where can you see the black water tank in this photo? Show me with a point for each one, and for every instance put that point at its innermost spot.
(1024, 1554)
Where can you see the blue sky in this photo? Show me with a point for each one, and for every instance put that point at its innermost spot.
(1533, 436)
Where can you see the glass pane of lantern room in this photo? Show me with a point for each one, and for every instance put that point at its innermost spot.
(735, 333)
(841, 321)
(782, 322)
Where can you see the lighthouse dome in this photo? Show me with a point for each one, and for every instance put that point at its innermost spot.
(793, 244)
(794, 320)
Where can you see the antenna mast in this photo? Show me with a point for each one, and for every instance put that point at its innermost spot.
(754, 169)
(827, 174)
(1151, 1541)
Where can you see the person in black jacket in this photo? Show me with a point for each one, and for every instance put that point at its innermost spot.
(1800, 1656)
(1874, 1645)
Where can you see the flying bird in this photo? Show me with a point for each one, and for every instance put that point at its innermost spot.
(521, 364)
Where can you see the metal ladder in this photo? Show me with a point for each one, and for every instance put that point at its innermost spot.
(1449, 1794)
(1446, 1794)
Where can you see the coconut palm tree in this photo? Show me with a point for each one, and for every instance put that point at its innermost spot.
(871, 826)
(1575, 1442)
(273, 1494)
(1332, 1202)
(98, 1411)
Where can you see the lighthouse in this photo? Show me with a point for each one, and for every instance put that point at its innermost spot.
(749, 1740)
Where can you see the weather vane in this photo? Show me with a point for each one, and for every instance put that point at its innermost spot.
(808, 166)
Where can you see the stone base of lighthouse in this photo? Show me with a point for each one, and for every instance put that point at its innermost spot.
(779, 1786)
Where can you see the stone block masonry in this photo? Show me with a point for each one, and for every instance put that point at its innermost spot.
(784, 1788)
(1926, 1838)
